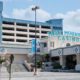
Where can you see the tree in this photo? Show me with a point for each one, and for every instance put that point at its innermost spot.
(11, 58)
(46, 57)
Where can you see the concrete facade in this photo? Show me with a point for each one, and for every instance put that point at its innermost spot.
(16, 35)
(62, 53)
(53, 43)
(68, 51)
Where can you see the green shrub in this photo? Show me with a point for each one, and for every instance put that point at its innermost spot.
(57, 66)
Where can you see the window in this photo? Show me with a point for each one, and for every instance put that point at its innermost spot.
(6, 22)
(32, 25)
(7, 28)
(37, 31)
(33, 36)
(45, 44)
(47, 27)
(8, 34)
(21, 35)
(23, 30)
(51, 44)
(57, 28)
(43, 36)
(44, 32)
(10, 40)
(18, 40)
(38, 49)
(21, 24)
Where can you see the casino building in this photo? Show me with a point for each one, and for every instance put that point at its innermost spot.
(16, 35)
(63, 47)
(16, 38)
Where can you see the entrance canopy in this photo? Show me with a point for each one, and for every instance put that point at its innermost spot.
(65, 51)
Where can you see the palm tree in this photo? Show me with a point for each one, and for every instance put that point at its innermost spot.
(46, 58)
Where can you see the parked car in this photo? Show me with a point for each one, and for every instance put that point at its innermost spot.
(47, 66)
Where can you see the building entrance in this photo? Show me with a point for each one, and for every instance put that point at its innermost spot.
(71, 61)
(55, 59)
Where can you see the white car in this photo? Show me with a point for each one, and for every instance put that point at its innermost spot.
(47, 66)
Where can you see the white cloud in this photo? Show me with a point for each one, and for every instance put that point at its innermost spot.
(71, 20)
(28, 14)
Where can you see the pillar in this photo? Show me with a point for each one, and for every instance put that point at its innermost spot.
(62, 61)
(78, 58)
(77, 67)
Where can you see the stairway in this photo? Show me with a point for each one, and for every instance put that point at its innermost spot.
(17, 68)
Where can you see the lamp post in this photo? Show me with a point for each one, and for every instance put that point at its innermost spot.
(11, 58)
(34, 9)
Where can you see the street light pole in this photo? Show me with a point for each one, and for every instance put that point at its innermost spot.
(34, 9)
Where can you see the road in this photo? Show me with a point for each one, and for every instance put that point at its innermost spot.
(41, 76)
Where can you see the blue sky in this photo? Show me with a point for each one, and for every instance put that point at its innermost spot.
(69, 10)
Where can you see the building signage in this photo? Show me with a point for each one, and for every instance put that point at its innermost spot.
(55, 33)
(69, 38)
(35, 47)
(66, 33)
(65, 36)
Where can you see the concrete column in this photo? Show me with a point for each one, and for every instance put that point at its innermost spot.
(62, 61)
(77, 67)
(78, 58)
(15, 31)
(27, 32)
(40, 30)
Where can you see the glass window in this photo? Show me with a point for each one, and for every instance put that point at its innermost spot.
(45, 44)
(21, 24)
(8, 22)
(51, 44)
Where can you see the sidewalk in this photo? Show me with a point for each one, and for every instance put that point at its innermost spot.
(41, 76)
